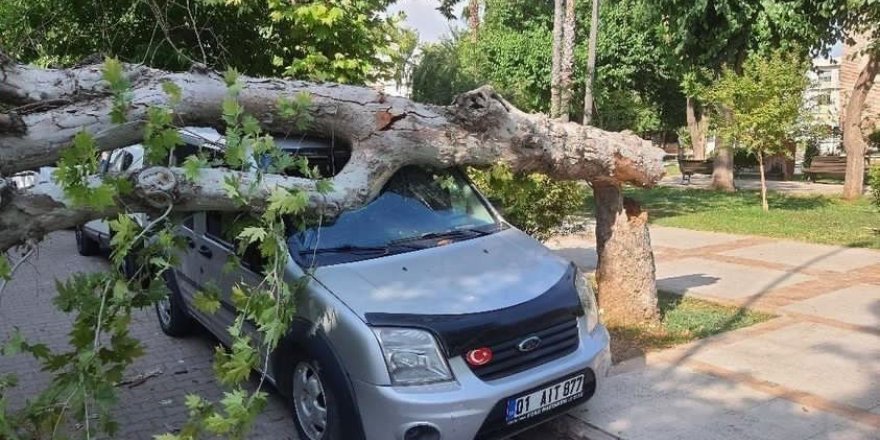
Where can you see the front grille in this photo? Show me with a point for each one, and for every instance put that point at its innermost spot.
(556, 341)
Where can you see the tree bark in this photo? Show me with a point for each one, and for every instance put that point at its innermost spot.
(853, 140)
(697, 123)
(764, 204)
(556, 68)
(385, 133)
(591, 64)
(722, 173)
(567, 63)
(474, 18)
(625, 275)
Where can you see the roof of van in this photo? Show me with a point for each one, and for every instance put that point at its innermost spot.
(201, 135)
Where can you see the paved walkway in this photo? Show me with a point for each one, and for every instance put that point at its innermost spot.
(797, 187)
(812, 373)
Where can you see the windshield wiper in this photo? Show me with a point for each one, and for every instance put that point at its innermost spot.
(352, 249)
(355, 249)
(452, 233)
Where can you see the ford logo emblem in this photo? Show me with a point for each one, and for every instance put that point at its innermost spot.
(529, 344)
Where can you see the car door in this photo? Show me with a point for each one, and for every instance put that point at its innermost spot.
(222, 271)
(190, 265)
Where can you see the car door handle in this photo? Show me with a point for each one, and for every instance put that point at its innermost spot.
(205, 251)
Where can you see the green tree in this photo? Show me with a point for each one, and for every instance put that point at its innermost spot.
(850, 21)
(763, 105)
(708, 37)
(633, 90)
(635, 84)
(350, 41)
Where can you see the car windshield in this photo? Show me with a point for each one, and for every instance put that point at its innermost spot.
(419, 207)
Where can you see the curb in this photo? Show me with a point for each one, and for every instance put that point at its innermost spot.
(566, 427)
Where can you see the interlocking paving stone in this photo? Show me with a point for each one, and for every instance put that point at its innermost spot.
(809, 256)
(720, 279)
(673, 402)
(858, 305)
(678, 238)
(836, 364)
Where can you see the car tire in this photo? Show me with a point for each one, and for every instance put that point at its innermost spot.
(85, 245)
(313, 401)
(174, 319)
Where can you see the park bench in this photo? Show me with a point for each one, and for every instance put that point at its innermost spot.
(689, 167)
(834, 166)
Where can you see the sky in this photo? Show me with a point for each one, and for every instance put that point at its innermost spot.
(422, 16)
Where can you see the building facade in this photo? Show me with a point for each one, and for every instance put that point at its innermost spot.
(823, 101)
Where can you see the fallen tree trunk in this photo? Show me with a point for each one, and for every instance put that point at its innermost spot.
(385, 133)
(47, 108)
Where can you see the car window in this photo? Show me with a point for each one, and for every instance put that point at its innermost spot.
(224, 227)
(218, 226)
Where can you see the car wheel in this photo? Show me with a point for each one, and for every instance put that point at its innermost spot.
(171, 311)
(85, 245)
(315, 410)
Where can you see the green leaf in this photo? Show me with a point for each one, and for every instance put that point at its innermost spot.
(173, 91)
(15, 344)
(207, 301)
(324, 186)
(5, 268)
(286, 202)
(230, 77)
(194, 402)
(192, 166)
(113, 73)
(231, 111)
(252, 234)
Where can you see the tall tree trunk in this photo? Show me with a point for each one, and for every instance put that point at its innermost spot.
(722, 174)
(697, 123)
(474, 18)
(853, 140)
(625, 275)
(591, 64)
(764, 204)
(567, 62)
(556, 70)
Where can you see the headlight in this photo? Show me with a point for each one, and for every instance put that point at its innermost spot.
(413, 356)
(588, 300)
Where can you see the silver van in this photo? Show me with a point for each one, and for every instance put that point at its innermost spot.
(426, 317)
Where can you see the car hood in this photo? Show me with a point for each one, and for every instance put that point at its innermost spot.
(477, 275)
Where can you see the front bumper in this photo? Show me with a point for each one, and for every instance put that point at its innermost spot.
(463, 409)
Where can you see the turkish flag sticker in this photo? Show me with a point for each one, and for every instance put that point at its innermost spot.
(479, 356)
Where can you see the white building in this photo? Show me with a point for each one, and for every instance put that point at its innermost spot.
(822, 99)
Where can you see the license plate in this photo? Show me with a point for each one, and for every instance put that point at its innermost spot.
(545, 399)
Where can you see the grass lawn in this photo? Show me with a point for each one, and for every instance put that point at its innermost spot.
(682, 320)
(818, 219)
